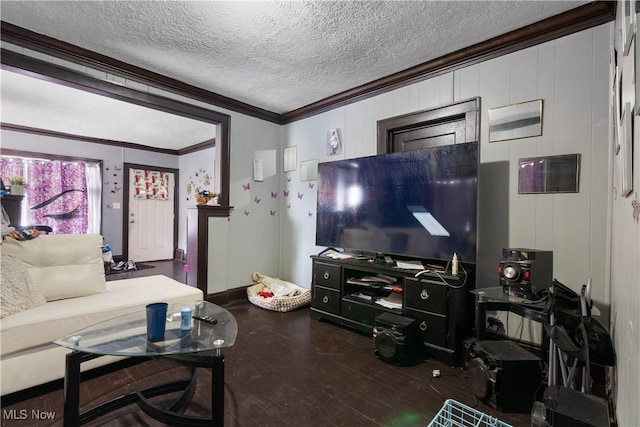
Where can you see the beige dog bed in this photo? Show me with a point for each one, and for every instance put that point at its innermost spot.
(277, 295)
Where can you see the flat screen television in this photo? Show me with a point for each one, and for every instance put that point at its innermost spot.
(416, 204)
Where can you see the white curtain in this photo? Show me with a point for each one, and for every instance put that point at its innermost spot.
(94, 197)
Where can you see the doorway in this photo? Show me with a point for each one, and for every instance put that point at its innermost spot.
(452, 124)
(150, 224)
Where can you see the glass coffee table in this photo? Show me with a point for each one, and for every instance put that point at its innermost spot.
(201, 346)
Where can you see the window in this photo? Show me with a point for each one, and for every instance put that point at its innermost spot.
(64, 194)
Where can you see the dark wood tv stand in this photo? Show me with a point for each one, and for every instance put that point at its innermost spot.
(444, 312)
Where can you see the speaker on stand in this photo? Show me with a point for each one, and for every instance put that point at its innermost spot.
(525, 273)
(396, 339)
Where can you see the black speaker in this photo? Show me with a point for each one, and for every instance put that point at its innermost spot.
(525, 272)
(504, 375)
(563, 407)
(396, 339)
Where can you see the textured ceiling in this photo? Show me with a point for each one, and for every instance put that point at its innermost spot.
(280, 55)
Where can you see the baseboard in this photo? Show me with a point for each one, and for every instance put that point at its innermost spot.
(228, 296)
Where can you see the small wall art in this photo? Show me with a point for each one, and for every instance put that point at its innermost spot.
(549, 174)
(625, 154)
(309, 170)
(334, 142)
(290, 159)
(515, 121)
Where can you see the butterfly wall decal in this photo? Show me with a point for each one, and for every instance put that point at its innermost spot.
(272, 213)
(288, 205)
(311, 185)
(288, 179)
(274, 195)
(117, 169)
(300, 195)
(309, 213)
(286, 193)
(246, 212)
(255, 199)
(246, 187)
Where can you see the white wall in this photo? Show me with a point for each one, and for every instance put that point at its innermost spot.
(625, 261)
(197, 172)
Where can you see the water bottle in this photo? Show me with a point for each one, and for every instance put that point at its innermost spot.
(185, 319)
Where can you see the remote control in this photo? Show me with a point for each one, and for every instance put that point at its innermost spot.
(207, 319)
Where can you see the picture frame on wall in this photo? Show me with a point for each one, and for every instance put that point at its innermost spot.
(309, 170)
(334, 142)
(625, 153)
(628, 24)
(515, 121)
(290, 159)
(549, 174)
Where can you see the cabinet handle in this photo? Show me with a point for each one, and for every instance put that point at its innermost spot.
(423, 326)
(424, 294)
(326, 275)
(325, 299)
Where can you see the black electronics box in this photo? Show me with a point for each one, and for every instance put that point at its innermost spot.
(504, 375)
(525, 273)
(570, 408)
(396, 339)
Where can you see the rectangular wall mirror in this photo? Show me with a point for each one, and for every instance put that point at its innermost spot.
(549, 174)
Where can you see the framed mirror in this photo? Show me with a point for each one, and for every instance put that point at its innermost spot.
(549, 174)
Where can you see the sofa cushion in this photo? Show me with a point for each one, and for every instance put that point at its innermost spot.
(61, 265)
(42, 325)
(16, 291)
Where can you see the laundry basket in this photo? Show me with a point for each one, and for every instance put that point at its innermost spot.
(456, 414)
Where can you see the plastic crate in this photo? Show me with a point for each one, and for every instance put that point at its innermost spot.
(456, 414)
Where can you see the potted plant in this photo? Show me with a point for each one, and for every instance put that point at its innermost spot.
(17, 185)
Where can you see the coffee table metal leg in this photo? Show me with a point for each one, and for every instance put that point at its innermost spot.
(71, 416)
(217, 390)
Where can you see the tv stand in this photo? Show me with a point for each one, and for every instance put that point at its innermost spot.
(348, 292)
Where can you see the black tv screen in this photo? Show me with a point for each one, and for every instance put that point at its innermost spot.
(417, 204)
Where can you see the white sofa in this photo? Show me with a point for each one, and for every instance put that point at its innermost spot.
(68, 271)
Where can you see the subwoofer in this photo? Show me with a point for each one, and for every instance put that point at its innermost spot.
(563, 407)
(504, 375)
(525, 272)
(396, 339)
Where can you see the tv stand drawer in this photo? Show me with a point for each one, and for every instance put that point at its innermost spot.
(326, 300)
(327, 275)
(426, 296)
(433, 328)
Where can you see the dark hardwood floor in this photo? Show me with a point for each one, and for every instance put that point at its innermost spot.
(284, 370)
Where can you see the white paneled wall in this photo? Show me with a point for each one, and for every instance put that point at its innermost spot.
(625, 266)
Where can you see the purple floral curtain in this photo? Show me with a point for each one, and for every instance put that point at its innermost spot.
(55, 192)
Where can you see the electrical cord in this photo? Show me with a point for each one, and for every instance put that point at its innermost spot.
(443, 280)
(442, 398)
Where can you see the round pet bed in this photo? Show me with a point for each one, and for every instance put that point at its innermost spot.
(277, 295)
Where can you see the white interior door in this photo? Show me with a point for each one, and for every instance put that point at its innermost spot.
(151, 215)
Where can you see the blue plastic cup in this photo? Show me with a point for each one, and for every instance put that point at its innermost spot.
(156, 320)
